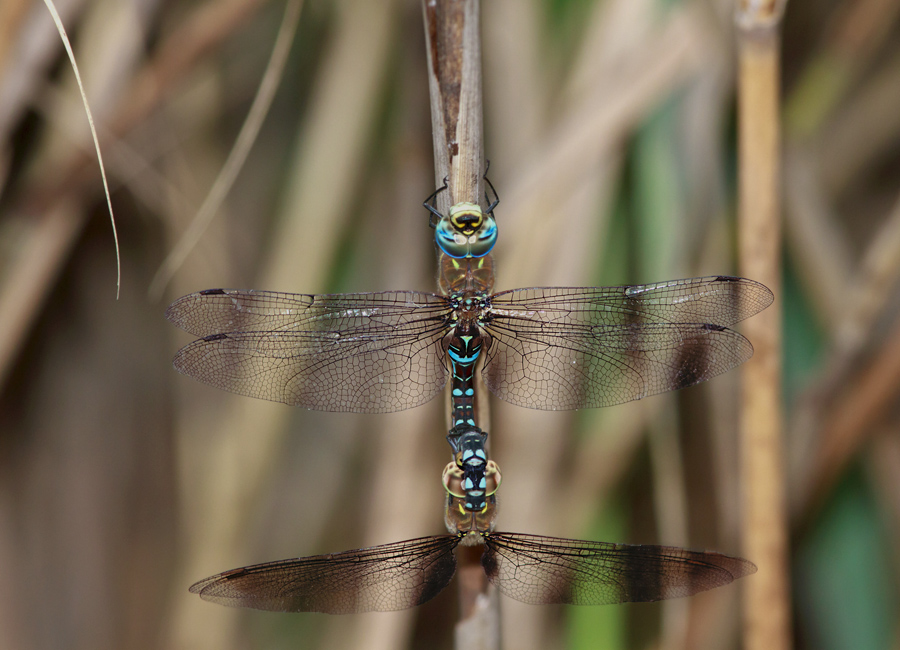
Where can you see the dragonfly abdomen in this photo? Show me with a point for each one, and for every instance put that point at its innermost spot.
(463, 349)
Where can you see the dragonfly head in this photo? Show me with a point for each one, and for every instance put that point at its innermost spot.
(466, 231)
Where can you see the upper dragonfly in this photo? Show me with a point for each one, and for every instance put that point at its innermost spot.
(551, 348)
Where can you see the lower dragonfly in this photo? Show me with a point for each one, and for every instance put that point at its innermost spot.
(533, 569)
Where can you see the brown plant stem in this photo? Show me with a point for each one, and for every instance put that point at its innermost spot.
(766, 603)
(453, 47)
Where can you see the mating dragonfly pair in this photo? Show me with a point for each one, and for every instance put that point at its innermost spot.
(544, 348)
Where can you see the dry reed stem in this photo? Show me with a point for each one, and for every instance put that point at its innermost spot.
(767, 600)
(817, 245)
(44, 254)
(846, 425)
(558, 186)
(12, 15)
(670, 511)
(94, 138)
(453, 46)
(883, 460)
(592, 129)
(44, 237)
(251, 433)
(854, 417)
(238, 154)
(864, 130)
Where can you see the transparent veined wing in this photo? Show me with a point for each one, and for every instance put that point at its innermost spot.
(571, 348)
(549, 570)
(363, 353)
(378, 579)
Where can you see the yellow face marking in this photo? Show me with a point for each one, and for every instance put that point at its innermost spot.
(466, 217)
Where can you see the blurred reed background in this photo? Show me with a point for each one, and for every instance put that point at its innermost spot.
(610, 127)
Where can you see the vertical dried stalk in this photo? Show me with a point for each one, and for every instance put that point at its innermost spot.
(766, 607)
(453, 45)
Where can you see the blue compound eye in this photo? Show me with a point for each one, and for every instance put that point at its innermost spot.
(454, 244)
(466, 232)
(486, 238)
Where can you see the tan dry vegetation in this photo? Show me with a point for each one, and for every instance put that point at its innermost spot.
(610, 130)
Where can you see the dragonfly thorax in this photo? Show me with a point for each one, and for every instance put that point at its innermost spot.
(469, 305)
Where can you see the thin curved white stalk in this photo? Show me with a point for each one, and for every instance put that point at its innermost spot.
(87, 109)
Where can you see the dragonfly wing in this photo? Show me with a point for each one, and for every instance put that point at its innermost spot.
(368, 353)
(549, 570)
(378, 579)
(571, 348)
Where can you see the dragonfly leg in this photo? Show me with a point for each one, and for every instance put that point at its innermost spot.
(431, 205)
(487, 198)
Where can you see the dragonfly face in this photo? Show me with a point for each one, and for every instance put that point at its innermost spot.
(466, 231)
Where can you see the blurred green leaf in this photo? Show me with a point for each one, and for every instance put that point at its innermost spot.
(600, 627)
(844, 581)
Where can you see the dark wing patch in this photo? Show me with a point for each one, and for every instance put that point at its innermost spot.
(548, 570)
(571, 348)
(378, 579)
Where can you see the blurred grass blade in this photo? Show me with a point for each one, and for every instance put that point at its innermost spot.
(238, 154)
(87, 109)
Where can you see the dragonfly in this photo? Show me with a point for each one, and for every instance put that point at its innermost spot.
(549, 348)
(533, 569)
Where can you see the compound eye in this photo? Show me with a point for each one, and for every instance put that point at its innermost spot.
(450, 240)
(483, 241)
